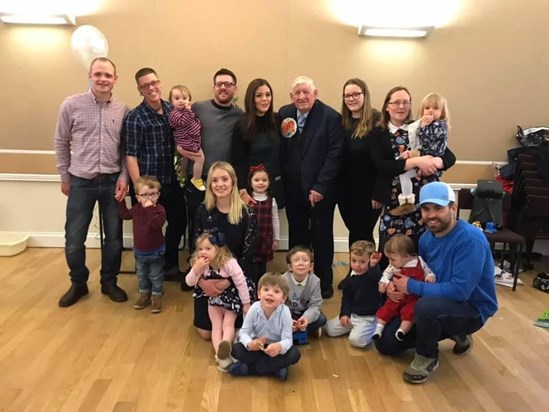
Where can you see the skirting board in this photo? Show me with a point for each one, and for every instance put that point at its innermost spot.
(340, 243)
(92, 241)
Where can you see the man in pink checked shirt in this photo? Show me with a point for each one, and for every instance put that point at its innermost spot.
(92, 169)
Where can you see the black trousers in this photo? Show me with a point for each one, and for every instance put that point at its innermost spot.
(312, 227)
(194, 198)
(259, 363)
(358, 216)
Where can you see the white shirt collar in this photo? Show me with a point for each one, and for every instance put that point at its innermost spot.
(303, 283)
(259, 196)
(392, 128)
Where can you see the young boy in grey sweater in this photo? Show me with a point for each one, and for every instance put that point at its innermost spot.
(304, 299)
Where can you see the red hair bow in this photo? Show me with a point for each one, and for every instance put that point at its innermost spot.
(257, 168)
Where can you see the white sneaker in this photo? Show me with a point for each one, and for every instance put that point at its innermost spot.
(224, 364)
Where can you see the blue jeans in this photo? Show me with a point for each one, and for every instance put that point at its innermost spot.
(83, 195)
(320, 322)
(150, 272)
(436, 318)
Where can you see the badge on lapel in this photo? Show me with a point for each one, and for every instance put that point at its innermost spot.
(288, 128)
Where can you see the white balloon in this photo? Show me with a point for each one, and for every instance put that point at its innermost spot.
(87, 43)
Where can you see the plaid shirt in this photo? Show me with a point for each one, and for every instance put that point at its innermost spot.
(87, 137)
(148, 137)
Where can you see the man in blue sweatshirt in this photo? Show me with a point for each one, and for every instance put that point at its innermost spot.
(464, 295)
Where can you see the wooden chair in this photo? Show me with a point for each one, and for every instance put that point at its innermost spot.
(531, 217)
(513, 243)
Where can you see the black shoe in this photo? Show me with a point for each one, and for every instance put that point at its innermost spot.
(73, 295)
(184, 286)
(174, 275)
(116, 293)
(464, 344)
(328, 293)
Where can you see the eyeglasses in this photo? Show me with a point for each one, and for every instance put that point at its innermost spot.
(145, 86)
(352, 96)
(398, 103)
(148, 195)
(226, 85)
(300, 260)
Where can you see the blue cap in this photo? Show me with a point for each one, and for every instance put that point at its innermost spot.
(438, 193)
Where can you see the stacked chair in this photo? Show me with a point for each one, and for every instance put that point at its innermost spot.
(530, 203)
(512, 242)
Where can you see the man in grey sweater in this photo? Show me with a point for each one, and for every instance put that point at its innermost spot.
(218, 117)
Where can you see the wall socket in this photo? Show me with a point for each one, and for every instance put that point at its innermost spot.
(497, 166)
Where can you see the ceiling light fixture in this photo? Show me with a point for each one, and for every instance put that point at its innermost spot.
(36, 18)
(406, 32)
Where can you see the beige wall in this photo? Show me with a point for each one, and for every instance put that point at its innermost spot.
(490, 62)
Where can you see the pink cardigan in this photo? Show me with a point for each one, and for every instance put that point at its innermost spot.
(231, 269)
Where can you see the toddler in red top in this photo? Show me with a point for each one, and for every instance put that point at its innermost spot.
(402, 261)
(149, 244)
(186, 132)
(268, 223)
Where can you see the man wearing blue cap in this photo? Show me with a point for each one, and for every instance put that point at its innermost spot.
(464, 295)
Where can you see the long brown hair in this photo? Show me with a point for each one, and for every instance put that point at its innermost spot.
(365, 123)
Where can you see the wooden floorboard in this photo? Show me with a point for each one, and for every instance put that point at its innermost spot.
(103, 356)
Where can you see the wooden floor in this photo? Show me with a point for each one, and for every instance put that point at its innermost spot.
(103, 356)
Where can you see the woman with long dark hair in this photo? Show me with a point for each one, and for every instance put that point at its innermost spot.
(256, 140)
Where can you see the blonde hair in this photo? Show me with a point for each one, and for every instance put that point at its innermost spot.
(401, 245)
(237, 205)
(436, 100)
(183, 89)
(149, 181)
(222, 256)
(362, 248)
(274, 279)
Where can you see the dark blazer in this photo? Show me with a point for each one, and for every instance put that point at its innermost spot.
(321, 148)
(388, 167)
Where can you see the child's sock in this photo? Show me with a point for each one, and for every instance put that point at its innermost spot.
(400, 334)
(378, 332)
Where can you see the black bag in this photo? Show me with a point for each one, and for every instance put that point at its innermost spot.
(533, 136)
(487, 202)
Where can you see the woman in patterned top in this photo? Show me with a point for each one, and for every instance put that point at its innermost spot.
(386, 146)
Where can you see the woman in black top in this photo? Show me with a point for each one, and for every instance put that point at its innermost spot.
(357, 174)
(256, 140)
(224, 210)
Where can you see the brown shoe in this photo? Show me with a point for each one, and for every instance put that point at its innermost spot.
(224, 349)
(402, 210)
(143, 301)
(72, 295)
(156, 304)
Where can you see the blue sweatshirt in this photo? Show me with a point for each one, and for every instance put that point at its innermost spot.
(463, 263)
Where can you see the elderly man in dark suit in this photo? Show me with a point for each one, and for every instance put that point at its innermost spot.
(311, 147)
